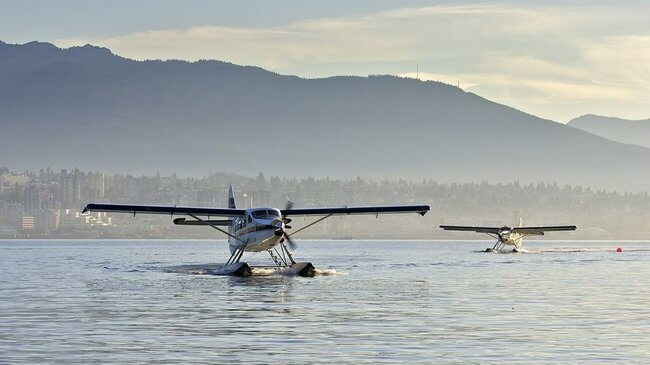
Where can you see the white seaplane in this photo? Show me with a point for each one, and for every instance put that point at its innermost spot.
(255, 229)
(509, 236)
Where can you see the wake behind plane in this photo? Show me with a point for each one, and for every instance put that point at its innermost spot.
(255, 229)
(508, 235)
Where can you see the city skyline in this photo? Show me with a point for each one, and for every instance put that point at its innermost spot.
(48, 204)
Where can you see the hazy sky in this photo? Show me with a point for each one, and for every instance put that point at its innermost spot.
(555, 59)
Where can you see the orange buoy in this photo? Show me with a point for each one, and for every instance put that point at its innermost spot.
(618, 249)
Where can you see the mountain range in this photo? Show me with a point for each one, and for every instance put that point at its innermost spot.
(89, 108)
(621, 130)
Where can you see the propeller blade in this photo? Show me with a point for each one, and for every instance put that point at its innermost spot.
(292, 245)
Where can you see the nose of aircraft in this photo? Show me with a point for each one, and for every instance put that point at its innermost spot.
(277, 223)
(279, 228)
(504, 231)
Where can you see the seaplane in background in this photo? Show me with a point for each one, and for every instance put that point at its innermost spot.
(509, 236)
(255, 229)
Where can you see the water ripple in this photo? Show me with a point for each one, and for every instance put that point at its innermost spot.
(374, 302)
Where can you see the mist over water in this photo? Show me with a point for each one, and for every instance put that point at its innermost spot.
(393, 301)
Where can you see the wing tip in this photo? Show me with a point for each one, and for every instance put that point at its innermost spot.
(87, 208)
(425, 210)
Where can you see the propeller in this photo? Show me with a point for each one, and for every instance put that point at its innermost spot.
(281, 230)
(292, 245)
(287, 208)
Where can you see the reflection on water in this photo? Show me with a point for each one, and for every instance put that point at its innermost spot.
(153, 301)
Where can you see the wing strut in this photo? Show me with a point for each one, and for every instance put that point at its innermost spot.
(217, 228)
(310, 224)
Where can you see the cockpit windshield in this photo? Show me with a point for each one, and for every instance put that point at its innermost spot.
(265, 213)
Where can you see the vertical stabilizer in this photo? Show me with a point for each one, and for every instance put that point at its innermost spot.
(231, 198)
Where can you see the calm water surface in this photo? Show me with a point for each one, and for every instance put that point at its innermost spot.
(383, 301)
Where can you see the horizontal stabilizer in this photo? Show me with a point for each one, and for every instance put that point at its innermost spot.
(206, 222)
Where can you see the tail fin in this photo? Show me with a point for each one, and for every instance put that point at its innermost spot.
(231, 198)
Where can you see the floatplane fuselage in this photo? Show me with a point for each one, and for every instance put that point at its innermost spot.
(256, 229)
(262, 228)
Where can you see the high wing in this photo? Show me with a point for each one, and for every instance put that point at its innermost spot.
(494, 230)
(158, 209)
(389, 209)
(539, 231)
